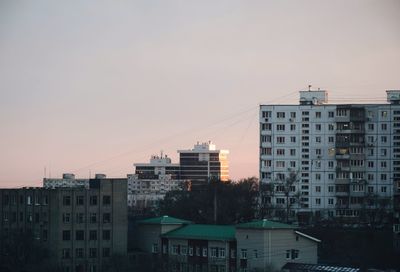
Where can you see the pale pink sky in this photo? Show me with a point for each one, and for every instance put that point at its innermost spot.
(99, 85)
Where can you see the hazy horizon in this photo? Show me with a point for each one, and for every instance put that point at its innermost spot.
(95, 86)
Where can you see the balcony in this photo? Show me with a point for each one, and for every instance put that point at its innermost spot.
(351, 131)
(342, 181)
(341, 205)
(342, 156)
(342, 193)
(357, 193)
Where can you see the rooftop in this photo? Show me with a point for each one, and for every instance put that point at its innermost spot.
(264, 224)
(203, 232)
(164, 220)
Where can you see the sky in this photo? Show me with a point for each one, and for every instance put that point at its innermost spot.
(94, 86)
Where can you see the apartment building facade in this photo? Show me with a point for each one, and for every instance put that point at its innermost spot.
(152, 181)
(80, 227)
(345, 157)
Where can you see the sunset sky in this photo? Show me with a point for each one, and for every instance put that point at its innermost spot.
(95, 86)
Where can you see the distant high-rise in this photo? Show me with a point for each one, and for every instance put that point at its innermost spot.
(203, 163)
(151, 182)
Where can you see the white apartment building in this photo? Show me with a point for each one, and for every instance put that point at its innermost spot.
(346, 157)
(68, 180)
(152, 181)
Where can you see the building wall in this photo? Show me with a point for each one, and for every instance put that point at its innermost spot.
(66, 220)
(268, 248)
(308, 140)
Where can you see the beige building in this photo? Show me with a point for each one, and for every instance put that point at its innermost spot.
(82, 228)
(268, 245)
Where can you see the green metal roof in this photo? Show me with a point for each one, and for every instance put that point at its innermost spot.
(264, 224)
(203, 232)
(163, 220)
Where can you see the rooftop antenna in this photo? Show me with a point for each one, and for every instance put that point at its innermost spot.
(162, 153)
(45, 172)
(309, 87)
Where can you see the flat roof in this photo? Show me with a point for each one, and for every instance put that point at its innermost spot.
(163, 220)
(203, 232)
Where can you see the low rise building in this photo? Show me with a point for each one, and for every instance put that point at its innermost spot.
(261, 245)
(81, 227)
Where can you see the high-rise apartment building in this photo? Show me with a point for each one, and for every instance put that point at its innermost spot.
(204, 162)
(330, 160)
(152, 181)
(81, 227)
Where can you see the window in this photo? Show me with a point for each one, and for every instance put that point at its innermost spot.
(318, 201)
(66, 253)
(331, 189)
(384, 114)
(266, 114)
(93, 217)
(106, 200)
(383, 164)
(93, 200)
(255, 254)
(330, 201)
(280, 164)
(45, 200)
(370, 189)
(213, 252)
(331, 139)
(318, 139)
(106, 234)
(318, 127)
(198, 251)
(331, 114)
(330, 164)
(79, 200)
(318, 114)
(318, 189)
(383, 139)
(92, 252)
(292, 254)
(80, 218)
(370, 164)
(280, 200)
(293, 115)
(221, 253)
(80, 235)
(280, 115)
(190, 251)
(66, 235)
(292, 152)
(330, 176)
(243, 254)
(331, 127)
(280, 152)
(66, 217)
(107, 252)
(370, 126)
(183, 250)
(93, 235)
(383, 152)
(154, 249)
(383, 189)
(106, 217)
(175, 250)
(292, 127)
(318, 176)
(293, 139)
(79, 253)
(204, 252)
(29, 200)
(280, 127)
(66, 200)
(280, 140)
(318, 151)
(233, 254)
